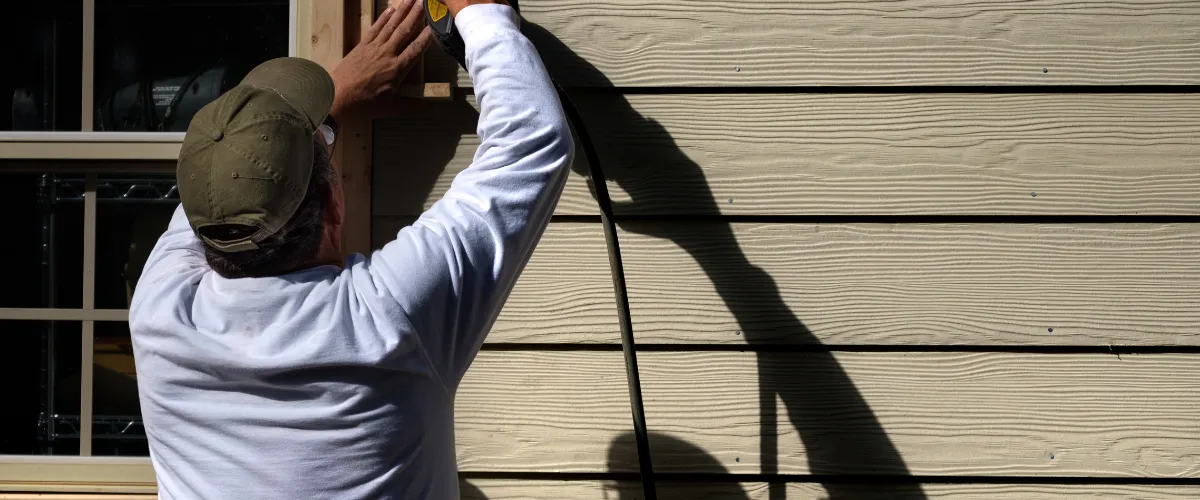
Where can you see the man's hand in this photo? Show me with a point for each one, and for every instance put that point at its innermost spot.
(366, 80)
(458, 5)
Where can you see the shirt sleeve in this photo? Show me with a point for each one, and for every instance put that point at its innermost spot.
(177, 253)
(452, 269)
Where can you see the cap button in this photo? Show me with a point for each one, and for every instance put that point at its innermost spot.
(218, 135)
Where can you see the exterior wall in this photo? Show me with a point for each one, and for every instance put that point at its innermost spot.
(842, 272)
(924, 249)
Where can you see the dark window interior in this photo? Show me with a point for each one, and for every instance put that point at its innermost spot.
(40, 359)
(160, 61)
(43, 248)
(41, 413)
(156, 62)
(40, 87)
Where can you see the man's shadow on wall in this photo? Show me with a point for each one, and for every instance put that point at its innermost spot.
(840, 433)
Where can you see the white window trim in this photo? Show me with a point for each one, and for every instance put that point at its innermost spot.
(70, 474)
(108, 145)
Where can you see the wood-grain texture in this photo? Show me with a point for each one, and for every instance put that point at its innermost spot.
(492, 489)
(543, 411)
(851, 43)
(842, 154)
(810, 491)
(477, 489)
(912, 284)
(959, 414)
(564, 295)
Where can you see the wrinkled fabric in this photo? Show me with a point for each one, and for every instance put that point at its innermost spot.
(339, 382)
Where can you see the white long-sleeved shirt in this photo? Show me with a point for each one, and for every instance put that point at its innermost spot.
(336, 382)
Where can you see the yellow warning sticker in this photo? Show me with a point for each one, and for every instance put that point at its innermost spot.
(437, 10)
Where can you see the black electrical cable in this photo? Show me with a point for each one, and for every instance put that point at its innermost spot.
(617, 269)
(445, 32)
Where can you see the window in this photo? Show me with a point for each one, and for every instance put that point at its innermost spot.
(85, 239)
(121, 79)
(95, 98)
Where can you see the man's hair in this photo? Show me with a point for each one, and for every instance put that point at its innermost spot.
(295, 244)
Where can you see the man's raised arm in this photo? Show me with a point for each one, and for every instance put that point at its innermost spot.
(452, 270)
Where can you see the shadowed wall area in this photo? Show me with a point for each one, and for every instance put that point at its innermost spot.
(837, 427)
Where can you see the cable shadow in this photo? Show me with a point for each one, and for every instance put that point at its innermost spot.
(838, 429)
(625, 444)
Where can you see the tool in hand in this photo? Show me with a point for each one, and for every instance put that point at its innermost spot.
(441, 22)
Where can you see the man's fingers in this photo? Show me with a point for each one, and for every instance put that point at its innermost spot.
(414, 20)
(413, 52)
(389, 29)
(373, 31)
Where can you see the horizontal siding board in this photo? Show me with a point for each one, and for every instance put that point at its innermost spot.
(541, 411)
(564, 295)
(843, 154)
(516, 489)
(492, 489)
(914, 284)
(811, 491)
(953, 414)
(910, 154)
(850, 43)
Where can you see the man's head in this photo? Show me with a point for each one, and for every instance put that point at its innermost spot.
(255, 175)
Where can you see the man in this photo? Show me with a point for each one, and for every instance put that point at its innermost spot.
(268, 367)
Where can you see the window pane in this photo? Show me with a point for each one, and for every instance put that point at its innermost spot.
(131, 213)
(40, 413)
(44, 234)
(117, 416)
(160, 61)
(40, 86)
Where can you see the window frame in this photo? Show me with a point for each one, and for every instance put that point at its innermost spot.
(87, 144)
(98, 153)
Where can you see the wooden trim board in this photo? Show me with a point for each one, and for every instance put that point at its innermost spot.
(914, 284)
(335, 30)
(842, 154)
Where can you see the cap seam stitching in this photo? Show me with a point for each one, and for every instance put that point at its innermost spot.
(208, 189)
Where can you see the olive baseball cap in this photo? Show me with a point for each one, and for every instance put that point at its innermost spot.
(247, 156)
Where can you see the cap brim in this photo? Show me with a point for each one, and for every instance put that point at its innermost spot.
(302, 83)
